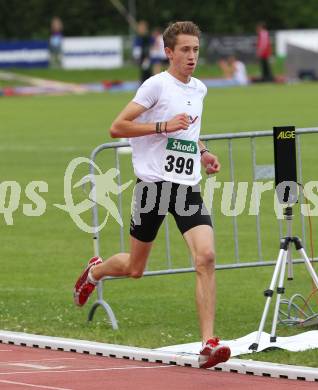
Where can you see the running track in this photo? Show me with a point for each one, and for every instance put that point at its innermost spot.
(24, 368)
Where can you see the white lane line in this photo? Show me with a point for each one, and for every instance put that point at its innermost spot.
(36, 366)
(37, 360)
(5, 350)
(30, 385)
(87, 370)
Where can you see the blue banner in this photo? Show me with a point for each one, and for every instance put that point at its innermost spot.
(24, 54)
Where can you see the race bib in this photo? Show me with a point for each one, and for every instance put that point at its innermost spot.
(179, 159)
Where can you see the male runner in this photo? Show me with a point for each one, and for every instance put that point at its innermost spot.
(163, 123)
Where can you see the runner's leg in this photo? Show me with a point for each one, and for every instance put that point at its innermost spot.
(142, 236)
(125, 264)
(201, 243)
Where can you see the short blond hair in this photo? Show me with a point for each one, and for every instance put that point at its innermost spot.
(174, 29)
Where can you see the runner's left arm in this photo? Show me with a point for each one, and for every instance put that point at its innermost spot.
(209, 160)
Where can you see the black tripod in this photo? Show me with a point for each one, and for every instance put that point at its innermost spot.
(279, 271)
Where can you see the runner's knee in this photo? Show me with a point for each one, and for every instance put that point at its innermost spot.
(204, 261)
(137, 264)
(136, 270)
(136, 273)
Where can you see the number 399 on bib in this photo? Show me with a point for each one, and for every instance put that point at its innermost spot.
(179, 159)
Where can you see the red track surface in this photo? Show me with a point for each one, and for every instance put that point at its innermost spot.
(23, 368)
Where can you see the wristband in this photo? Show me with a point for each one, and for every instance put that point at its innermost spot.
(158, 127)
(203, 151)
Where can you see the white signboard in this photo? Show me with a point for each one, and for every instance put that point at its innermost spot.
(92, 52)
(306, 39)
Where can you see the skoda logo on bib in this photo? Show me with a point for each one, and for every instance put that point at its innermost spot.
(179, 159)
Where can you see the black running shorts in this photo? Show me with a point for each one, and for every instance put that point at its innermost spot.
(152, 202)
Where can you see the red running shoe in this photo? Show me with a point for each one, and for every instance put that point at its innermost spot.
(212, 353)
(83, 287)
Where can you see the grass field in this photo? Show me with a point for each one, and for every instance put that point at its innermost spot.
(42, 256)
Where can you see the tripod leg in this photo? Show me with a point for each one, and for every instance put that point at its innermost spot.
(310, 268)
(280, 291)
(289, 256)
(290, 265)
(268, 293)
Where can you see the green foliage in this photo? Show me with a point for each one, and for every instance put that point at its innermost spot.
(31, 19)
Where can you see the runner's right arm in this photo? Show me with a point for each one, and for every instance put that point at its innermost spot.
(125, 127)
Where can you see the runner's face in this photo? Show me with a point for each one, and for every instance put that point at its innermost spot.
(183, 58)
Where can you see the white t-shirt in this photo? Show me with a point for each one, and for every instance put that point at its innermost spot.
(173, 156)
(240, 74)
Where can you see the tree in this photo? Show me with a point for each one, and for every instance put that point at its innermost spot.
(31, 19)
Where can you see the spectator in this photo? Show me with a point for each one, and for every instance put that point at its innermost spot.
(55, 44)
(234, 70)
(157, 52)
(141, 50)
(264, 51)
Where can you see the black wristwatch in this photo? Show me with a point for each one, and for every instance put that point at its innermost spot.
(203, 151)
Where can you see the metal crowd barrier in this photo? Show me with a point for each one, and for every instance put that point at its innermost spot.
(258, 261)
